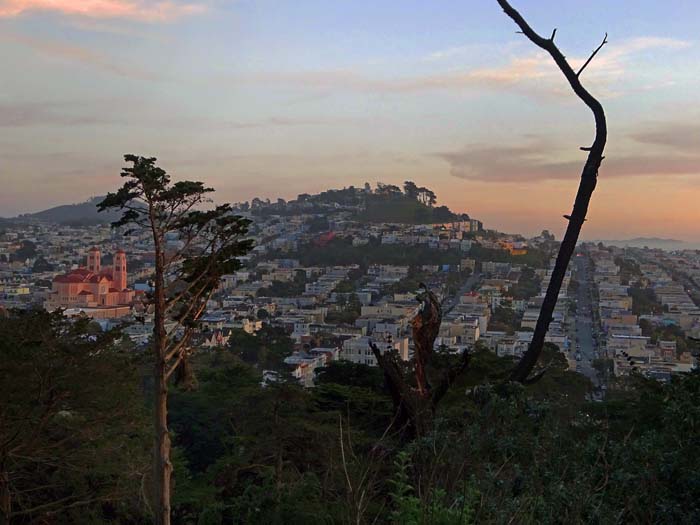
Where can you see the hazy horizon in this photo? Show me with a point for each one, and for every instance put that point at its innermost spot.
(268, 99)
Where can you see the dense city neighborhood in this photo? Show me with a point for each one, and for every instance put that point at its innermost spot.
(327, 277)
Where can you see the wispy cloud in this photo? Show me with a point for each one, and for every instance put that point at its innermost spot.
(19, 115)
(141, 10)
(535, 160)
(130, 113)
(532, 74)
(683, 137)
(79, 54)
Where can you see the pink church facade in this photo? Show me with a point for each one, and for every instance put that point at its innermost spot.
(92, 286)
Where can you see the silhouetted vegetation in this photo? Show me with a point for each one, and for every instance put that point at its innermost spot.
(245, 453)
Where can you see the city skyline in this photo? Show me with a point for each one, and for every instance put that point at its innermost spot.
(265, 99)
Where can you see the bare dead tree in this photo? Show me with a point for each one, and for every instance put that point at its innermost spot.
(587, 184)
(416, 396)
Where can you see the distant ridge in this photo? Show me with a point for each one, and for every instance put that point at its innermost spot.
(84, 213)
(650, 242)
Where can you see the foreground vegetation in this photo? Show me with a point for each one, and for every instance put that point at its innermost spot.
(75, 441)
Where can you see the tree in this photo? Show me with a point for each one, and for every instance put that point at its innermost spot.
(265, 349)
(27, 250)
(427, 196)
(417, 391)
(42, 265)
(387, 189)
(587, 184)
(74, 435)
(547, 235)
(410, 189)
(350, 374)
(184, 280)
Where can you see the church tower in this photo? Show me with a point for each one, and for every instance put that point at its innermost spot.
(93, 260)
(119, 270)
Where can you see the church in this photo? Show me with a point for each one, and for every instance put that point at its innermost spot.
(93, 287)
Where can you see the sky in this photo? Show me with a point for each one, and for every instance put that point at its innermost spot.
(275, 98)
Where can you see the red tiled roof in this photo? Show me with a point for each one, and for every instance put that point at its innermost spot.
(70, 278)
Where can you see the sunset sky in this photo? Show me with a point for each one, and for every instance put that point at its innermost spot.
(275, 98)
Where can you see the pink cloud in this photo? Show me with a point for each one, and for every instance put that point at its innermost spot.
(145, 10)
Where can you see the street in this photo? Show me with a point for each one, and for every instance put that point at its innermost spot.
(585, 344)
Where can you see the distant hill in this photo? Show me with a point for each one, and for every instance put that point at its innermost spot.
(84, 213)
(386, 203)
(649, 242)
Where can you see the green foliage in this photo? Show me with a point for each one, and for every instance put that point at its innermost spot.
(629, 270)
(351, 374)
(400, 208)
(409, 509)
(26, 250)
(669, 332)
(254, 454)
(42, 265)
(528, 285)
(246, 453)
(504, 319)
(345, 286)
(265, 349)
(213, 238)
(644, 300)
(291, 288)
(262, 314)
(348, 315)
(318, 224)
(74, 438)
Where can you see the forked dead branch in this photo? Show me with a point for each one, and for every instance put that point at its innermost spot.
(589, 177)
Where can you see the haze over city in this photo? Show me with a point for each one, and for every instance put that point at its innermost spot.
(273, 99)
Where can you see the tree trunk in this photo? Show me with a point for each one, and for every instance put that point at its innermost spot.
(162, 465)
(161, 462)
(415, 405)
(5, 498)
(587, 184)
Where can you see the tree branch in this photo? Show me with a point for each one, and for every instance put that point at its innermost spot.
(605, 41)
(586, 187)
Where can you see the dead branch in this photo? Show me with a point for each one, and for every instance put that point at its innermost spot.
(415, 405)
(587, 184)
(595, 52)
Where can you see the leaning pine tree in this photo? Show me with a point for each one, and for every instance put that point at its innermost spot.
(186, 275)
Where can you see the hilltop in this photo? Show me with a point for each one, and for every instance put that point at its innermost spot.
(385, 203)
(84, 213)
